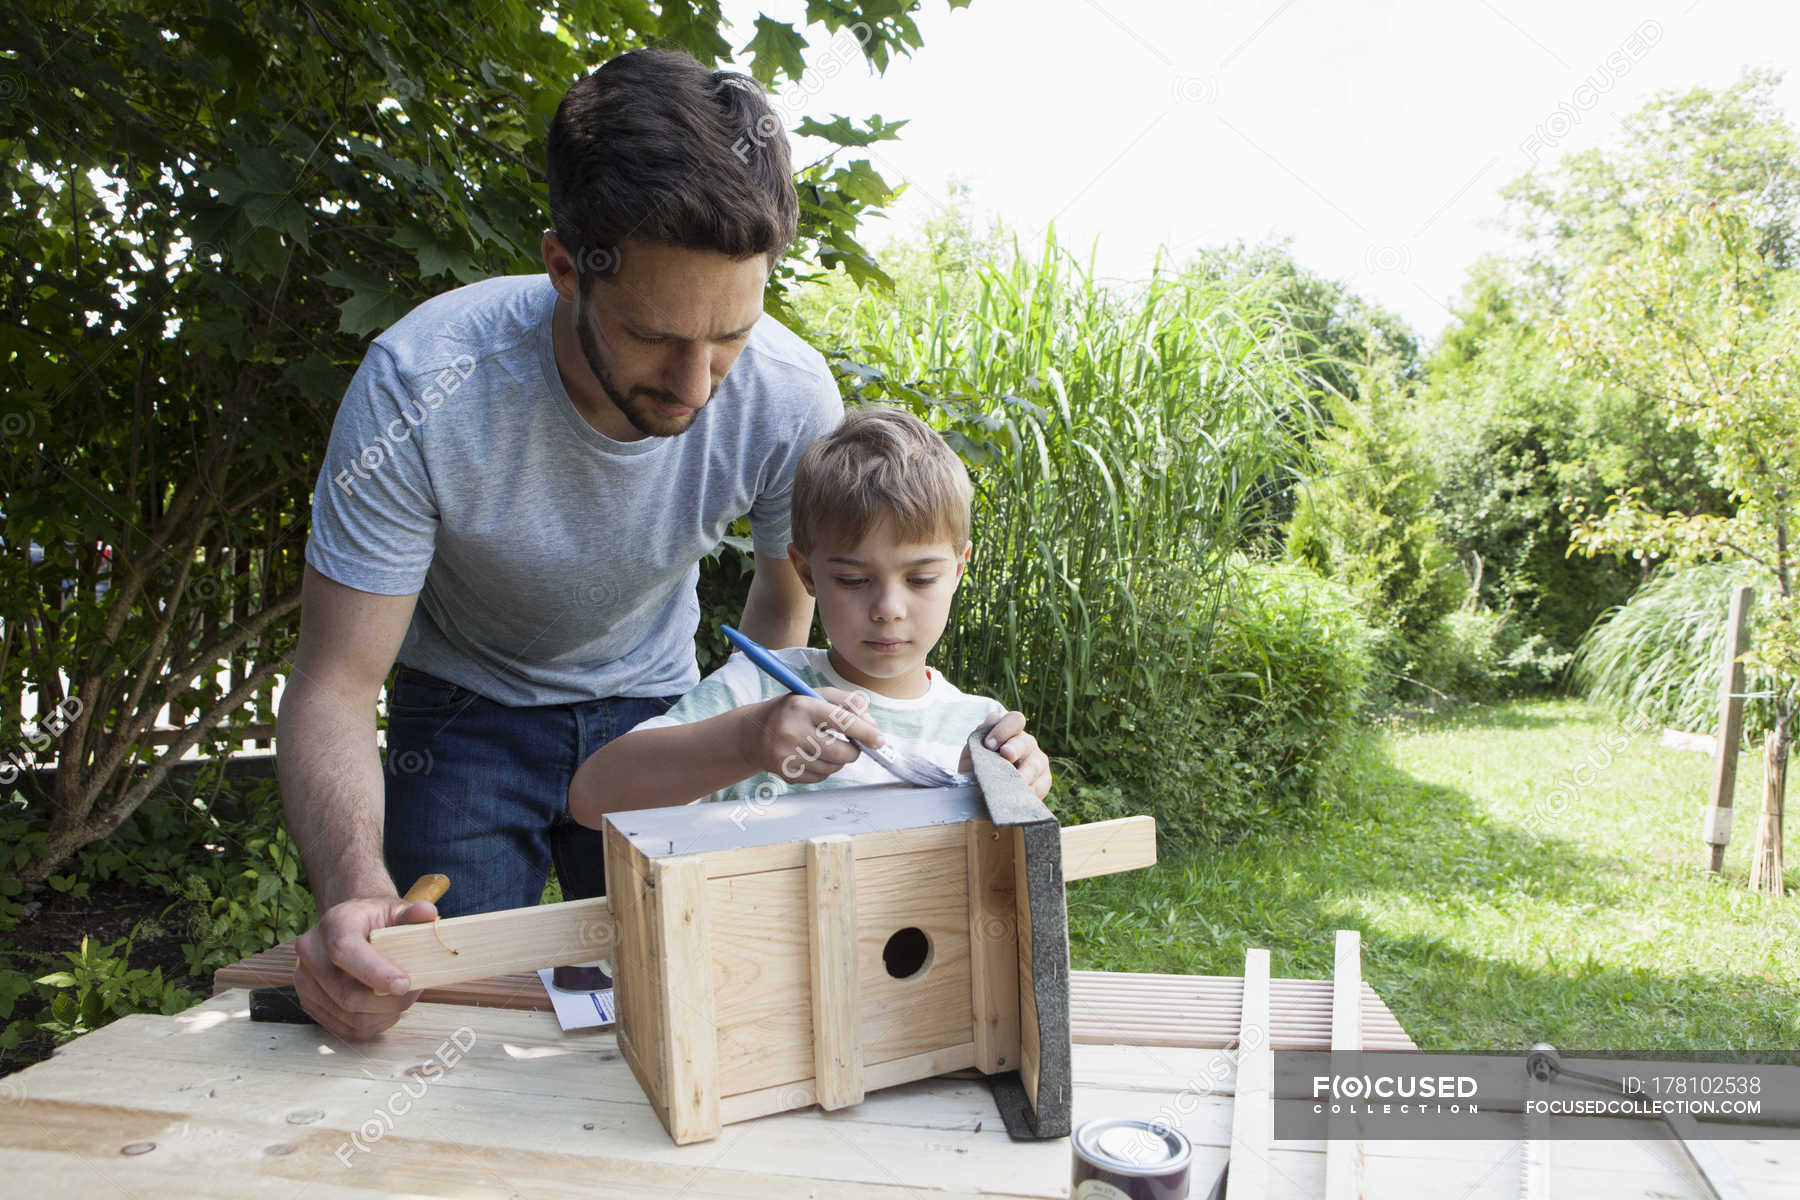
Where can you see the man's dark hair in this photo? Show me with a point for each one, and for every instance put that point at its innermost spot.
(654, 146)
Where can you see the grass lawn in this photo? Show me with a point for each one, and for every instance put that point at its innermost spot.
(1520, 872)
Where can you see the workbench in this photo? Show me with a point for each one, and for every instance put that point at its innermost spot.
(467, 1099)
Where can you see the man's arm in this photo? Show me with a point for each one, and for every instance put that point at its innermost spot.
(779, 611)
(332, 796)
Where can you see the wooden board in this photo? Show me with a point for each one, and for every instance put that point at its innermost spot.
(1105, 1007)
(236, 1109)
(1252, 1109)
(1346, 1166)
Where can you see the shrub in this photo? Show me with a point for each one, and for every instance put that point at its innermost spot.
(1658, 656)
(1254, 726)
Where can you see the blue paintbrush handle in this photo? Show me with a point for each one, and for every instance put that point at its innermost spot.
(768, 662)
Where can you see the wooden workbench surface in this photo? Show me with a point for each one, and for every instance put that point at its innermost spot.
(207, 1103)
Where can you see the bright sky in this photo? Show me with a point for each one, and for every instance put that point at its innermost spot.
(1374, 133)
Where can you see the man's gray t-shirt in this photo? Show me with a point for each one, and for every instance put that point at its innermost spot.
(553, 563)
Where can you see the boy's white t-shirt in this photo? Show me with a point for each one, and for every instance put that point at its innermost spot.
(935, 726)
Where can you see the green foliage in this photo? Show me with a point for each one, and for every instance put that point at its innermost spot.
(1478, 653)
(100, 986)
(1701, 319)
(213, 207)
(1659, 657)
(1366, 518)
(1513, 436)
(1733, 142)
(1248, 742)
(1327, 329)
(1122, 443)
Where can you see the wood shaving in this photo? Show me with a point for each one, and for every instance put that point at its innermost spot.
(440, 937)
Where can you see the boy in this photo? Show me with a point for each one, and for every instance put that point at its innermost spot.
(880, 515)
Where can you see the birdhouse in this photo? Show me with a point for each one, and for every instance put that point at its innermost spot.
(823, 944)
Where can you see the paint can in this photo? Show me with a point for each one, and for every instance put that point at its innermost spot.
(1129, 1158)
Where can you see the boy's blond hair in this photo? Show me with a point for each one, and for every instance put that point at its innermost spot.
(880, 462)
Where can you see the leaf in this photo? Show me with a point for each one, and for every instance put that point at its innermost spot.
(374, 303)
(776, 48)
(843, 131)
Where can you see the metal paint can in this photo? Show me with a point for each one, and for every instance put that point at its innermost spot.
(1129, 1158)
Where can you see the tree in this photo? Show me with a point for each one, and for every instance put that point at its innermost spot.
(1514, 434)
(1735, 142)
(212, 208)
(1701, 315)
(1366, 519)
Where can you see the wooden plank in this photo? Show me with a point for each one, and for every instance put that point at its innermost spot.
(1345, 1167)
(929, 1010)
(791, 856)
(483, 944)
(1106, 1007)
(689, 1018)
(802, 1093)
(993, 948)
(1717, 830)
(638, 969)
(762, 971)
(836, 1013)
(531, 1110)
(1698, 743)
(1108, 847)
(1253, 1104)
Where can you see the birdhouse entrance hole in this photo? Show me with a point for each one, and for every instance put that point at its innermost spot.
(907, 953)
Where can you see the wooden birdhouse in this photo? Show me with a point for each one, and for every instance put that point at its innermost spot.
(824, 944)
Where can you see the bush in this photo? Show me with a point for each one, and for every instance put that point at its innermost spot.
(1658, 656)
(1476, 653)
(1366, 519)
(1256, 724)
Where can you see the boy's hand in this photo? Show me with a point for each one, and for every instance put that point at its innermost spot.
(796, 737)
(1007, 736)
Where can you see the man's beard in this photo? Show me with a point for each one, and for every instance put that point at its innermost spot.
(641, 405)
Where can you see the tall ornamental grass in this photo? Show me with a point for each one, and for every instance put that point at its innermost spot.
(1660, 655)
(1126, 443)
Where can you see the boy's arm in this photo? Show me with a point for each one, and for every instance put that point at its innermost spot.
(676, 764)
(653, 768)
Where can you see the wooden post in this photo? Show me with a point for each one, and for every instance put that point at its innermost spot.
(1766, 873)
(1717, 830)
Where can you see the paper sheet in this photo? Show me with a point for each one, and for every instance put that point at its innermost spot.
(580, 1010)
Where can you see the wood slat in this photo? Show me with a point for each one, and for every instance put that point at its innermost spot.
(836, 1011)
(993, 948)
(1105, 1007)
(1345, 1166)
(1252, 1108)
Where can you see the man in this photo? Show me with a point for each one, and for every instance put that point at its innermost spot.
(521, 481)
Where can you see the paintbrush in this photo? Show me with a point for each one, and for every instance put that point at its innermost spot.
(908, 768)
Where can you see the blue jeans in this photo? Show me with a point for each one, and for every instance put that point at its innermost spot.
(479, 791)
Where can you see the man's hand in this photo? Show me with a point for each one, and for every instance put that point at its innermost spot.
(339, 972)
(793, 736)
(1007, 735)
